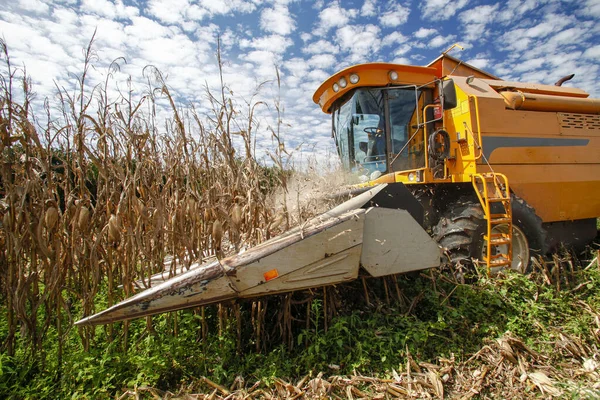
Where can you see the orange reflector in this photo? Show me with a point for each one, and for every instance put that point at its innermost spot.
(272, 274)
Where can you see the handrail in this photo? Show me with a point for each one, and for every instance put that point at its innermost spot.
(479, 141)
(425, 138)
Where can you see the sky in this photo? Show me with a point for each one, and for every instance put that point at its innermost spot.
(305, 40)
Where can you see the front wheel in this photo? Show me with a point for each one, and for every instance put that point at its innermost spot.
(460, 231)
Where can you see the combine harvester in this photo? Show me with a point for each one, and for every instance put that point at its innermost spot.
(435, 149)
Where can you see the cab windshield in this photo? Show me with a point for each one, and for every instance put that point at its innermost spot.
(376, 127)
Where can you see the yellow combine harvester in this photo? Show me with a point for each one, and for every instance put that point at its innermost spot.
(469, 146)
(452, 164)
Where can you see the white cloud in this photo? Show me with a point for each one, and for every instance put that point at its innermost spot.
(179, 11)
(402, 50)
(395, 16)
(320, 46)
(305, 36)
(196, 13)
(65, 16)
(209, 32)
(441, 10)
(522, 39)
(228, 39)
(170, 51)
(318, 75)
(476, 19)
(558, 59)
(108, 9)
(568, 36)
(514, 9)
(401, 60)
(35, 6)
(322, 61)
(393, 38)
(480, 63)
(176, 11)
(226, 7)
(318, 4)
(591, 8)
(479, 15)
(593, 52)
(368, 9)
(424, 32)
(145, 28)
(440, 40)
(332, 17)
(541, 30)
(273, 43)
(528, 65)
(362, 41)
(170, 12)
(277, 20)
(109, 33)
(297, 66)
(25, 39)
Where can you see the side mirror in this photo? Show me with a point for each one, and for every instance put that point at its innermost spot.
(448, 94)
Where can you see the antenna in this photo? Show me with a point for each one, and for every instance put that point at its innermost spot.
(453, 46)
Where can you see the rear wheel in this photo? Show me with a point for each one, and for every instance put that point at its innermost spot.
(460, 231)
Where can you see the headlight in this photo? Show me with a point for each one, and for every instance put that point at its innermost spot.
(354, 79)
(393, 75)
(343, 83)
(412, 177)
(336, 87)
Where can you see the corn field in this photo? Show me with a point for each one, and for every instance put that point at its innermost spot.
(97, 198)
(100, 193)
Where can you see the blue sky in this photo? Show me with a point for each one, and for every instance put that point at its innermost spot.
(527, 40)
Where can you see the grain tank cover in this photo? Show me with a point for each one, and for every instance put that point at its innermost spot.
(448, 65)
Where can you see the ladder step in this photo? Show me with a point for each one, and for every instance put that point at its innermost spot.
(499, 263)
(499, 241)
(500, 220)
(498, 235)
(498, 199)
(499, 256)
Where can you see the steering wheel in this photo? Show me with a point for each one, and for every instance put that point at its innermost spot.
(371, 130)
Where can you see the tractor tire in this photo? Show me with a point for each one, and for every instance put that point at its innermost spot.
(460, 232)
(430, 213)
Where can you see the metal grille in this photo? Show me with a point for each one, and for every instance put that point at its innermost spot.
(579, 121)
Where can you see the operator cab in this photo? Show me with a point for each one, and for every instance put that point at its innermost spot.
(378, 130)
(387, 117)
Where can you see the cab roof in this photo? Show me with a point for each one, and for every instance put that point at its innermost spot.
(370, 75)
(379, 75)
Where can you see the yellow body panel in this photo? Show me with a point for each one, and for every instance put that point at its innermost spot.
(544, 138)
(551, 159)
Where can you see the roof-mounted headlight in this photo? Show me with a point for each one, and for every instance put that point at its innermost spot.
(354, 79)
(393, 76)
(336, 87)
(343, 82)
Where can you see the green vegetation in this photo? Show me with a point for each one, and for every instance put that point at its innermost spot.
(552, 312)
